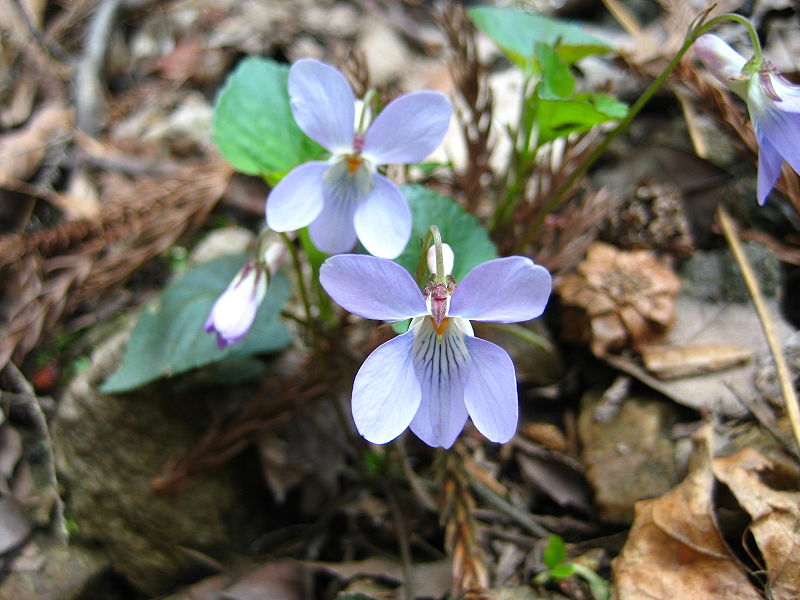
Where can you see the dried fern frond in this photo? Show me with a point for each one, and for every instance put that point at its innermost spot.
(53, 272)
(474, 113)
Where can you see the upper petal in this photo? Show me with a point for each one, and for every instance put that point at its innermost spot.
(383, 219)
(441, 365)
(505, 290)
(408, 129)
(373, 288)
(490, 391)
(298, 198)
(323, 104)
(386, 393)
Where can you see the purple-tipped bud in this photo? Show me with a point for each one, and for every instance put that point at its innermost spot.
(234, 311)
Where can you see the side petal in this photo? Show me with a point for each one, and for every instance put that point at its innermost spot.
(383, 220)
(769, 168)
(408, 129)
(373, 288)
(505, 290)
(323, 104)
(298, 198)
(490, 391)
(386, 393)
(441, 365)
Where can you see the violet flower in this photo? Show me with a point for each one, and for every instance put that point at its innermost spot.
(234, 311)
(773, 104)
(438, 373)
(346, 197)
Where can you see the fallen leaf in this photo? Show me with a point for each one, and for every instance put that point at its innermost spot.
(430, 579)
(672, 362)
(701, 322)
(775, 518)
(674, 550)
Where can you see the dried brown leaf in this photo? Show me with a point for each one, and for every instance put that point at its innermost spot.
(775, 518)
(674, 549)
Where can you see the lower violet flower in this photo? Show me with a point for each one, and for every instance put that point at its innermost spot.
(235, 310)
(772, 101)
(437, 373)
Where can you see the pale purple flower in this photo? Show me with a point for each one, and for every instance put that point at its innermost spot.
(438, 373)
(773, 104)
(346, 197)
(234, 311)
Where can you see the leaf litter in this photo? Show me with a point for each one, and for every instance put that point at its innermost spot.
(93, 213)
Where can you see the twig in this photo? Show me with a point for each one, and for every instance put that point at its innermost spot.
(31, 401)
(88, 93)
(509, 509)
(402, 540)
(785, 379)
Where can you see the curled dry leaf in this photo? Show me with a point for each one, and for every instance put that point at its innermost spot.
(674, 549)
(617, 299)
(775, 516)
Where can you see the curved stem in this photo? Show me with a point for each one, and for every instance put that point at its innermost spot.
(694, 32)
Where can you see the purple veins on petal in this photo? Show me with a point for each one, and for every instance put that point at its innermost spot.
(386, 391)
(504, 290)
(769, 168)
(440, 364)
(323, 104)
(383, 220)
(490, 391)
(372, 287)
(409, 128)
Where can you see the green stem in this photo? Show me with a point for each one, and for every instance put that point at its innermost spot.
(695, 32)
(301, 286)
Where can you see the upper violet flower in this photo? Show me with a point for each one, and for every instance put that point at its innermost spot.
(437, 373)
(773, 104)
(346, 197)
(235, 310)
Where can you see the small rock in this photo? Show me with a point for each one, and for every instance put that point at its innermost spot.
(64, 573)
(628, 458)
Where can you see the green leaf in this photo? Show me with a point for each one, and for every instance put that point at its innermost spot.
(554, 552)
(559, 118)
(562, 571)
(557, 80)
(253, 125)
(469, 241)
(169, 338)
(517, 33)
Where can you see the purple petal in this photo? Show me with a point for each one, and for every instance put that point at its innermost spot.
(383, 220)
(332, 231)
(490, 392)
(505, 290)
(408, 129)
(323, 104)
(386, 392)
(781, 129)
(373, 288)
(769, 169)
(298, 198)
(788, 92)
(441, 365)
